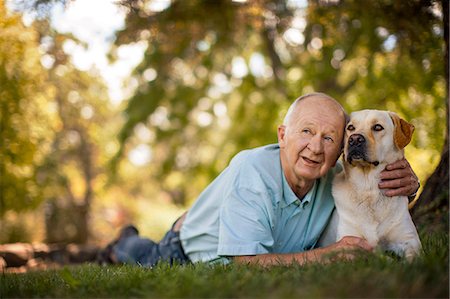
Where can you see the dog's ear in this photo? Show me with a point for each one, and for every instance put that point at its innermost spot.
(403, 131)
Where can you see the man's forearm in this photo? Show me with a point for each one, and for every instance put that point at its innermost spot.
(274, 259)
(343, 249)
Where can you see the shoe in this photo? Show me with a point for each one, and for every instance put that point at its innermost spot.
(128, 231)
(105, 256)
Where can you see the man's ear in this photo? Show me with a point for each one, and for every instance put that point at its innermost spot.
(281, 135)
(403, 131)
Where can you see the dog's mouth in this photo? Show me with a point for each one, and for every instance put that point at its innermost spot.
(357, 155)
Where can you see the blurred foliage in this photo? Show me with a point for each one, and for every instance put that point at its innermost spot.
(218, 75)
(392, 58)
(68, 174)
(54, 134)
(39, 8)
(198, 112)
(27, 120)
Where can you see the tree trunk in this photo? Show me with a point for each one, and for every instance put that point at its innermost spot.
(433, 204)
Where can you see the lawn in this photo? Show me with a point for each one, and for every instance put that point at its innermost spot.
(369, 276)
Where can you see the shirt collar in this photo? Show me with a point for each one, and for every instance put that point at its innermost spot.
(289, 196)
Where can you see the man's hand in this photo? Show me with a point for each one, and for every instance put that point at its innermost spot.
(347, 248)
(352, 243)
(398, 179)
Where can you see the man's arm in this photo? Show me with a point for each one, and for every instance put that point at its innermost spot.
(398, 179)
(343, 249)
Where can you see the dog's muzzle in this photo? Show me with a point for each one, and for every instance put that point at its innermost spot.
(357, 149)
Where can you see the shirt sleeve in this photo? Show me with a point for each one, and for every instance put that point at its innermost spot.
(245, 223)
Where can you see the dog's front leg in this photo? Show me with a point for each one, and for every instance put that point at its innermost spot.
(348, 226)
(403, 238)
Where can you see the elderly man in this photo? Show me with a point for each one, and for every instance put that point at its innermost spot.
(271, 204)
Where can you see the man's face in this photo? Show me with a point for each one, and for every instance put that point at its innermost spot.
(311, 142)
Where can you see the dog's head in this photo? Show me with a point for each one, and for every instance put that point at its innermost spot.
(373, 137)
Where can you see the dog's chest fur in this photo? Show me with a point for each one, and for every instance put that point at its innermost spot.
(363, 209)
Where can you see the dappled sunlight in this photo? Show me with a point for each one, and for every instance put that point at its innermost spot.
(423, 161)
(141, 155)
(239, 67)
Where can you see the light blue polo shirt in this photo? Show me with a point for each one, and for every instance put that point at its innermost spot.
(250, 209)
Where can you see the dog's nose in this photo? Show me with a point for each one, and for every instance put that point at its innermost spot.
(356, 140)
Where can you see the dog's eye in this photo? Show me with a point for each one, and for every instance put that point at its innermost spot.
(350, 128)
(378, 127)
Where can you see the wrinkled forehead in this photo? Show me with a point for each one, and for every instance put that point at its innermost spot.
(368, 118)
(323, 106)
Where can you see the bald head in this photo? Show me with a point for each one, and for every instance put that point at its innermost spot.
(317, 98)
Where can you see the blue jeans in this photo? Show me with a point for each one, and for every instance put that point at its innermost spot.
(145, 252)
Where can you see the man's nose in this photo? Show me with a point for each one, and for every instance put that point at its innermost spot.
(316, 144)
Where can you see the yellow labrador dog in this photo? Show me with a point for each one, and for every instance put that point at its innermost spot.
(373, 139)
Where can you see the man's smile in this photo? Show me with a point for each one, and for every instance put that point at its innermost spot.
(309, 161)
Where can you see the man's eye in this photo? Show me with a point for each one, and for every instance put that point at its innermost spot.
(350, 128)
(328, 139)
(306, 131)
(378, 127)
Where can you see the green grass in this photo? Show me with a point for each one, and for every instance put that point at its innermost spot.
(377, 276)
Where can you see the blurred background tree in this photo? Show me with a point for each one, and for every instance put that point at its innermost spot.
(68, 172)
(216, 77)
(23, 96)
(54, 135)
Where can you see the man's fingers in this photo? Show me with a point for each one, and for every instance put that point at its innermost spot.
(395, 174)
(409, 181)
(398, 191)
(400, 187)
(349, 242)
(401, 164)
(364, 245)
(399, 179)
